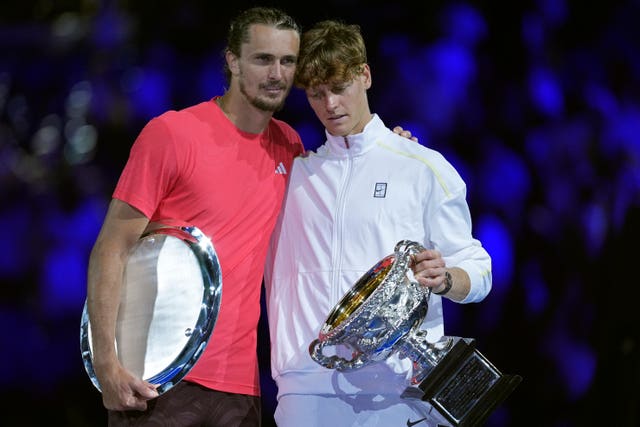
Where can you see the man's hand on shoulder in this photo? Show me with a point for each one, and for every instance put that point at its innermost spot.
(404, 133)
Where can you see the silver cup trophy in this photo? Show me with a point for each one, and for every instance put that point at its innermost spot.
(381, 314)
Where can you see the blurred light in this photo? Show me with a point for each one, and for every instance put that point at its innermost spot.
(79, 100)
(437, 79)
(463, 23)
(538, 148)
(505, 178)
(601, 99)
(71, 127)
(626, 195)
(45, 140)
(454, 66)
(78, 227)
(148, 91)
(577, 365)
(595, 226)
(545, 92)
(496, 239)
(622, 134)
(81, 146)
(211, 80)
(68, 28)
(63, 280)
(26, 167)
(66, 25)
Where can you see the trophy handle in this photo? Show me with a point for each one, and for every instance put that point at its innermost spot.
(408, 247)
(336, 362)
(404, 250)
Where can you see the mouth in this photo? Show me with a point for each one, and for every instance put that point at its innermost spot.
(274, 89)
(336, 117)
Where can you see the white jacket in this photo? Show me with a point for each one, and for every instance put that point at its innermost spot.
(347, 206)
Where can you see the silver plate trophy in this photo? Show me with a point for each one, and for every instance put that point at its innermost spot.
(169, 304)
(381, 314)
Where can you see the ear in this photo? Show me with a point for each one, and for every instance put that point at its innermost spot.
(232, 62)
(366, 74)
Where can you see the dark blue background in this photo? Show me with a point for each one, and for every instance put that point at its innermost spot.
(536, 103)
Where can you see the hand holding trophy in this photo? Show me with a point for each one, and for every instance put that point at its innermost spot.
(381, 314)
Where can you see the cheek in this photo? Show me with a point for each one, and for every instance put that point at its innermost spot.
(316, 107)
(250, 78)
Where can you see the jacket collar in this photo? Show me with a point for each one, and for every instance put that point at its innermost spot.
(359, 143)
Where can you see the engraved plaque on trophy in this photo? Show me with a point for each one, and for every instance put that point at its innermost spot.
(381, 315)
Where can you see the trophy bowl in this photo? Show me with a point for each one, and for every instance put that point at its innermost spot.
(381, 314)
(170, 298)
(382, 307)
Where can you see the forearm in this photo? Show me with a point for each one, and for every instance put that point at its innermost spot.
(122, 228)
(104, 283)
(460, 285)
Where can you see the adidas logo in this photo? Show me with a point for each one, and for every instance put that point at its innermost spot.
(281, 170)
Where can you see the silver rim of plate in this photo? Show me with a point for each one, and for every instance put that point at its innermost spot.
(169, 304)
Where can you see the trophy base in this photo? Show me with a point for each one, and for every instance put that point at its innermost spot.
(464, 387)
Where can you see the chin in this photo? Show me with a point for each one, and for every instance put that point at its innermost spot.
(336, 131)
(268, 104)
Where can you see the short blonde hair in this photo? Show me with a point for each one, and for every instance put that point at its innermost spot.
(330, 52)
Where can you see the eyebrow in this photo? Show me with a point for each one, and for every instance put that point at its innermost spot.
(271, 55)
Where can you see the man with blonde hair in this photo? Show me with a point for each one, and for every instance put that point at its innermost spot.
(347, 205)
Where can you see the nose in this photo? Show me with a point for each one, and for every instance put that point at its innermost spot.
(330, 102)
(275, 71)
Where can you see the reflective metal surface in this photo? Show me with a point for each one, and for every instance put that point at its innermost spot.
(169, 304)
(381, 314)
(380, 309)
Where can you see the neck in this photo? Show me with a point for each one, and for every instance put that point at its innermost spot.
(245, 116)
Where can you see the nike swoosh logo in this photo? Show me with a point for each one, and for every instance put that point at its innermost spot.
(412, 423)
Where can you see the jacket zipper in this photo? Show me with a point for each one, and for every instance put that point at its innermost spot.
(340, 209)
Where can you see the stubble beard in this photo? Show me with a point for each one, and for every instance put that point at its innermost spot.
(264, 103)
